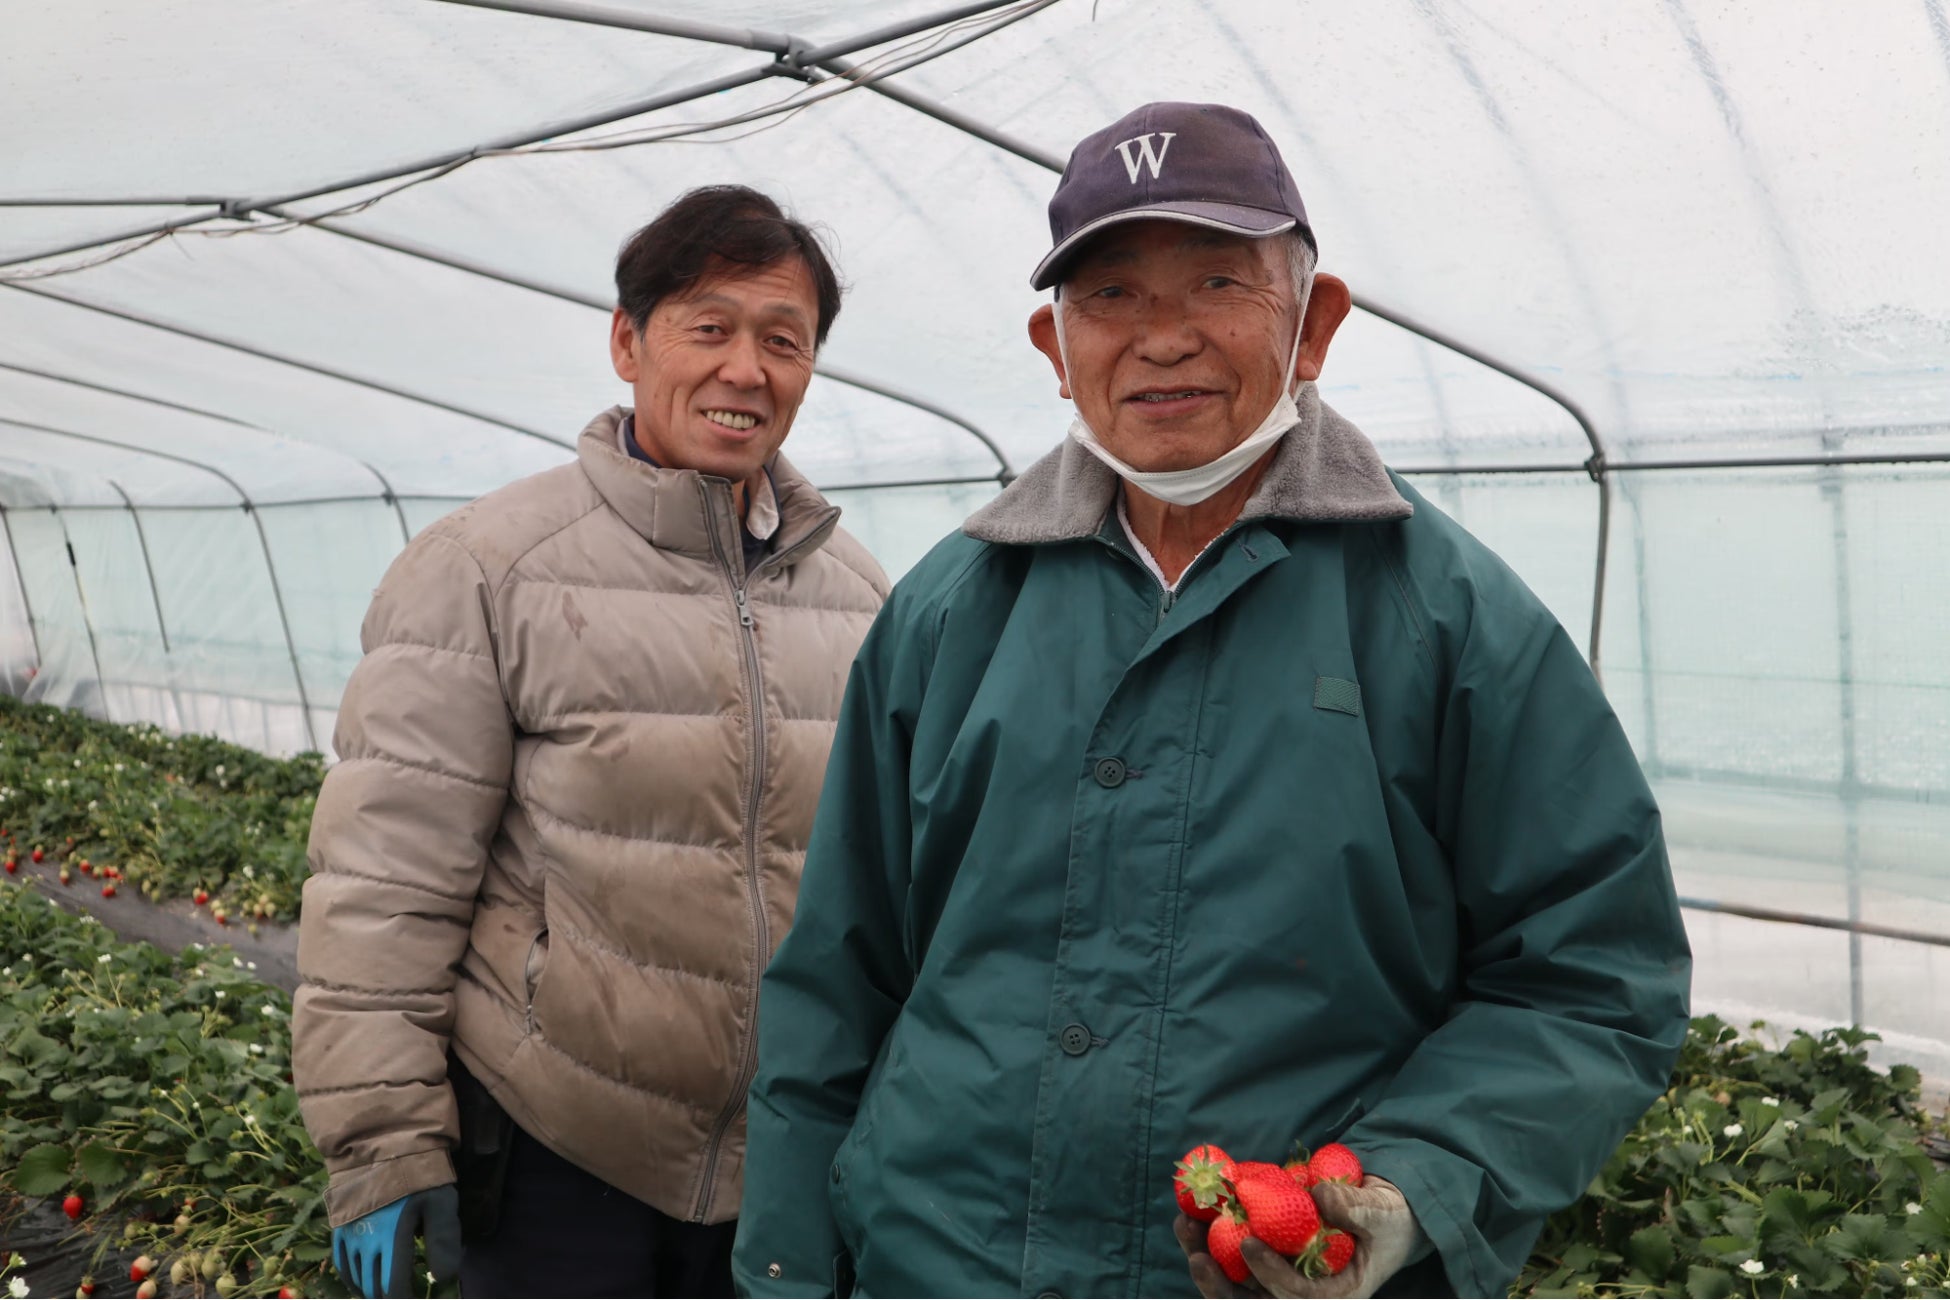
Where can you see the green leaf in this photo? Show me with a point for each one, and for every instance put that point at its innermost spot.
(1863, 1237)
(1650, 1250)
(99, 1164)
(1708, 1283)
(43, 1171)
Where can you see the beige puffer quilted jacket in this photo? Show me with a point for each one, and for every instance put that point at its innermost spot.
(578, 766)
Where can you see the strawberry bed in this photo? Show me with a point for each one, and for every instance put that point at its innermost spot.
(135, 808)
(154, 1089)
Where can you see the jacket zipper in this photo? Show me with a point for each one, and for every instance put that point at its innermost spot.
(754, 682)
(530, 977)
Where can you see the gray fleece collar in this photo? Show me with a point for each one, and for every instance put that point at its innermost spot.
(1325, 471)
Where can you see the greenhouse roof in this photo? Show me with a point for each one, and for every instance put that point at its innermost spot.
(1699, 224)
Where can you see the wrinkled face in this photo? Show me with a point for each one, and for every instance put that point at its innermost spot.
(1177, 340)
(719, 372)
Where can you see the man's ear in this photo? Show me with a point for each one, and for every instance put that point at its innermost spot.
(1042, 333)
(623, 340)
(1327, 307)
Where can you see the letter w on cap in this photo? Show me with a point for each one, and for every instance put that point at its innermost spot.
(1145, 158)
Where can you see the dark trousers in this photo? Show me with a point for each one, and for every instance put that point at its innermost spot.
(564, 1232)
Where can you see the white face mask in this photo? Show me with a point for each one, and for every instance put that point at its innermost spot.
(1188, 487)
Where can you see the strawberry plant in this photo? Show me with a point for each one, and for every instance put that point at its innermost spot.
(149, 1092)
(170, 816)
(1796, 1171)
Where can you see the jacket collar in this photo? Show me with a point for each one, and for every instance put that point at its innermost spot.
(1325, 471)
(678, 509)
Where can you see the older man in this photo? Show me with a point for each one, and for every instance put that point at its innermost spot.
(578, 766)
(1208, 787)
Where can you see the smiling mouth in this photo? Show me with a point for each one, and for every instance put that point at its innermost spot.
(1177, 396)
(738, 420)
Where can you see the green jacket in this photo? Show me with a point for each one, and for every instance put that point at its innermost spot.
(1343, 842)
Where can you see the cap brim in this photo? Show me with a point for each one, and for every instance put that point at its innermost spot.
(1253, 223)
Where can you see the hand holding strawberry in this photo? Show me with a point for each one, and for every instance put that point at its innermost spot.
(1317, 1227)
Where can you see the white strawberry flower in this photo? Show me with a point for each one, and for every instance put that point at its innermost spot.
(1753, 1268)
(1733, 1130)
(17, 1287)
(1790, 1125)
(1770, 1101)
(1912, 1207)
(102, 960)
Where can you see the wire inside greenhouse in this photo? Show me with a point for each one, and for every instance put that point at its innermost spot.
(1649, 299)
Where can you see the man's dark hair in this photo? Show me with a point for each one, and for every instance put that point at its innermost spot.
(717, 230)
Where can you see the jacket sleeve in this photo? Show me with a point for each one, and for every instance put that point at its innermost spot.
(399, 840)
(1575, 971)
(832, 992)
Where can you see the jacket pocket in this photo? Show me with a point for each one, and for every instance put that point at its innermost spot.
(532, 968)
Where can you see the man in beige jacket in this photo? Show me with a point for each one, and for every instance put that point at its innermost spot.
(577, 772)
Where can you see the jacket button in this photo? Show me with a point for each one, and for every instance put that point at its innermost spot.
(773, 1270)
(1074, 1039)
(1109, 772)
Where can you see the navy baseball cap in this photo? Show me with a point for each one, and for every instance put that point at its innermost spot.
(1206, 164)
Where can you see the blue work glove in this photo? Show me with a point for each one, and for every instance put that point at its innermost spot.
(374, 1254)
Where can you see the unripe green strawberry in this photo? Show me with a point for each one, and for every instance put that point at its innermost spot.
(1222, 1242)
(227, 1286)
(1201, 1182)
(181, 1272)
(147, 1291)
(1279, 1212)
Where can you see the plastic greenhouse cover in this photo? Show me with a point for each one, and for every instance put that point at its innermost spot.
(1611, 197)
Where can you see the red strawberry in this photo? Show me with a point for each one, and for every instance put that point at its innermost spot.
(1331, 1252)
(65, 877)
(1301, 1174)
(142, 1268)
(37, 855)
(1334, 1163)
(13, 866)
(72, 1206)
(1280, 1213)
(1222, 1241)
(219, 917)
(1201, 1182)
(1258, 1169)
(87, 868)
(200, 897)
(286, 1293)
(108, 890)
(86, 1289)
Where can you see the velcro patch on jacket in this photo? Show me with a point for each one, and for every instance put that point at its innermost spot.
(1337, 695)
